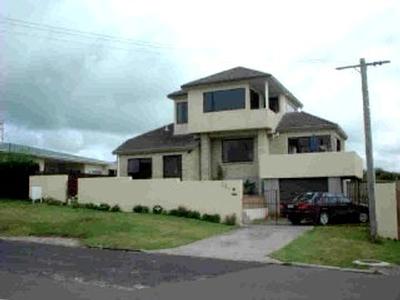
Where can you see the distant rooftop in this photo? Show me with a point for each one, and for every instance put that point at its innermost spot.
(49, 154)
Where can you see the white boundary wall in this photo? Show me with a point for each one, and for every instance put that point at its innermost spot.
(54, 186)
(386, 210)
(212, 197)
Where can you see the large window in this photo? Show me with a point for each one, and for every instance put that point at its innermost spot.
(321, 143)
(139, 168)
(172, 166)
(181, 112)
(238, 150)
(224, 100)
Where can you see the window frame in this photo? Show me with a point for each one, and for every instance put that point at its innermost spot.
(179, 165)
(140, 159)
(180, 116)
(226, 160)
(211, 108)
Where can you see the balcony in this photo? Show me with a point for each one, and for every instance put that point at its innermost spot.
(321, 164)
(242, 119)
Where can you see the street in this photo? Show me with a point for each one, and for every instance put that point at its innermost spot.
(36, 271)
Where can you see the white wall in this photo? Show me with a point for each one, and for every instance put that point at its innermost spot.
(53, 186)
(386, 210)
(213, 197)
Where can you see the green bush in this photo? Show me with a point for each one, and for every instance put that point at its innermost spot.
(173, 212)
(141, 209)
(90, 206)
(115, 208)
(249, 187)
(193, 214)
(182, 211)
(103, 207)
(52, 201)
(230, 219)
(157, 209)
(211, 218)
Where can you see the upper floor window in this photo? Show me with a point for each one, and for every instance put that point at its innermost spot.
(181, 112)
(140, 168)
(238, 150)
(274, 104)
(338, 145)
(254, 100)
(172, 166)
(224, 100)
(307, 144)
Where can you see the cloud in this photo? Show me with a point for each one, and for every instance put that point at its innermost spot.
(97, 93)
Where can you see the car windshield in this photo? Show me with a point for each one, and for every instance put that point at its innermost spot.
(305, 197)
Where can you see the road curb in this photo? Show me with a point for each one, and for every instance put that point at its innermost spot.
(354, 270)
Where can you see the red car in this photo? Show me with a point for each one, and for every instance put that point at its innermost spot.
(324, 208)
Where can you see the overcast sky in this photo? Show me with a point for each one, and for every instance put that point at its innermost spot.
(85, 95)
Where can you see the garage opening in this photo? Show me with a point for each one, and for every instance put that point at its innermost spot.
(290, 188)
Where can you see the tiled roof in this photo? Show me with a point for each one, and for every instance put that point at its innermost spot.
(238, 73)
(298, 121)
(160, 139)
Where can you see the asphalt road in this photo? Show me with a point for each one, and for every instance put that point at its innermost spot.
(35, 271)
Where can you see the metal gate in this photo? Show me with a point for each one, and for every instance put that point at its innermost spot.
(272, 202)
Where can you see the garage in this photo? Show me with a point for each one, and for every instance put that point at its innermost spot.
(290, 188)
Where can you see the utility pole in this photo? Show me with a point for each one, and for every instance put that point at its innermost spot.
(368, 140)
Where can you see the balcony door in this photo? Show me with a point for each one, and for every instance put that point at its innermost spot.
(172, 166)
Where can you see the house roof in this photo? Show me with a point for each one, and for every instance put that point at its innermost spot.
(160, 139)
(48, 154)
(237, 74)
(299, 121)
(234, 74)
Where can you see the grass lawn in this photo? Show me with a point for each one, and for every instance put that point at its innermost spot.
(338, 246)
(103, 229)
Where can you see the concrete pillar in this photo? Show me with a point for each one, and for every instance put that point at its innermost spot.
(266, 95)
(262, 151)
(205, 157)
(334, 185)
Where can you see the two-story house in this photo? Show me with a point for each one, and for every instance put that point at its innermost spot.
(243, 124)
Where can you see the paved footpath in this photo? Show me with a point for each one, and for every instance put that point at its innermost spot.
(249, 243)
(37, 271)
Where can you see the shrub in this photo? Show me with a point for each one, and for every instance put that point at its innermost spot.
(103, 207)
(52, 201)
(193, 214)
(140, 209)
(115, 208)
(182, 211)
(230, 219)
(157, 209)
(173, 212)
(211, 218)
(90, 206)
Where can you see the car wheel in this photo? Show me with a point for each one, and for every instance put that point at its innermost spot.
(363, 217)
(295, 221)
(324, 218)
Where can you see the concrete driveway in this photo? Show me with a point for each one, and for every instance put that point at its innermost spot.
(249, 243)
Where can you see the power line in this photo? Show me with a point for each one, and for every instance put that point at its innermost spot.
(79, 33)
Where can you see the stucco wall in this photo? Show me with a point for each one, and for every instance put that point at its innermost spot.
(190, 164)
(222, 197)
(386, 210)
(319, 164)
(54, 186)
(229, 119)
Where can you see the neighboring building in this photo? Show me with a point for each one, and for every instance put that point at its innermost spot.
(52, 162)
(243, 124)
